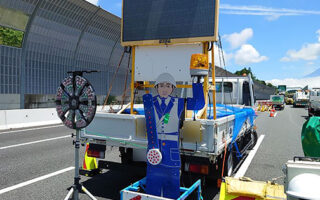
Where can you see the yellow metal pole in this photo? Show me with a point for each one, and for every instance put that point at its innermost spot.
(145, 88)
(213, 70)
(205, 84)
(132, 78)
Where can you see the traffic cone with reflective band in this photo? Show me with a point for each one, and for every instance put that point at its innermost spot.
(272, 112)
(89, 166)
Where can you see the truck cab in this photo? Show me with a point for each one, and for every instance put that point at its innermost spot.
(235, 90)
(301, 98)
(277, 101)
(314, 103)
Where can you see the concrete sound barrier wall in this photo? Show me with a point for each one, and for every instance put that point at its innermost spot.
(22, 118)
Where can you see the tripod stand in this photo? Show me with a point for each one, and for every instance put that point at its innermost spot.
(76, 187)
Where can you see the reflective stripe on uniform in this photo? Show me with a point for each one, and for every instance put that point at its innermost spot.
(162, 136)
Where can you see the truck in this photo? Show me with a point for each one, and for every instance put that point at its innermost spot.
(300, 98)
(277, 101)
(314, 103)
(235, 90)
(282, 89)
(224, 128)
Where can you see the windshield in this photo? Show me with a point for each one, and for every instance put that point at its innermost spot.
(277, 98)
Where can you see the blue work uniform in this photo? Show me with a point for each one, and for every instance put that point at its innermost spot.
(164, 179)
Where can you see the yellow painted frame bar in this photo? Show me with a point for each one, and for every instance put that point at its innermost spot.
(175, 40)
(213, 82)
(205, 84)
(172, 41)
(133, 54)
(152, 86)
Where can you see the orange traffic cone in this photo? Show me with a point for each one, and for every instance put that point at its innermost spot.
(272, 112)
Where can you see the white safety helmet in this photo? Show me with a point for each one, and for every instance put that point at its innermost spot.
(304, 186)
(165, 78)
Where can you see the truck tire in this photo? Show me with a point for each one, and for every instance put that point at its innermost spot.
(229, 164)
(254, 139)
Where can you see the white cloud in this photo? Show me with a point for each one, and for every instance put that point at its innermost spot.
(307, 52)
(270, 13)
(311, 82)
(95, 2)
(248, 54)
(238, 39)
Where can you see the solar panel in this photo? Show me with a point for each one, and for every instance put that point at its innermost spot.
(168, 21)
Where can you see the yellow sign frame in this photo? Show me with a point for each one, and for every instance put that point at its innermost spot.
(175, 40)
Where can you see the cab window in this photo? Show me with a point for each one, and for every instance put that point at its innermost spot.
(227, 87)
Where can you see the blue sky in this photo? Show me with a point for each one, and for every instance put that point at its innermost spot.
(278, 39)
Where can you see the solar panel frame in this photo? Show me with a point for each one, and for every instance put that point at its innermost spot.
(161, 20)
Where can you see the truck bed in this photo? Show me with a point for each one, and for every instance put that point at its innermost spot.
(202, 137)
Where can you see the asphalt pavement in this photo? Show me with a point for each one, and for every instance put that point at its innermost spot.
(281, 143)
(37, 164)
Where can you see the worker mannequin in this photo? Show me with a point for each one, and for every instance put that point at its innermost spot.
(164, 179)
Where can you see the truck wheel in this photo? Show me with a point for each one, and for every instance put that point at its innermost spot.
(228, 165)
(254, 139)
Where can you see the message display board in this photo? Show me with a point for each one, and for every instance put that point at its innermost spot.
(153, 22)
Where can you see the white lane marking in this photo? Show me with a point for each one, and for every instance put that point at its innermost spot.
(8, 189)
(245, 165)
(31, 129)
(34, 142)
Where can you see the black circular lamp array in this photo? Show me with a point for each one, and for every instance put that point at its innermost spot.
(76, 102)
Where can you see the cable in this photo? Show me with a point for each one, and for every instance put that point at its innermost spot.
(210, 108)
(210, 46)
(113, 78)
(125, 83)
(222, 61)
(224, 156)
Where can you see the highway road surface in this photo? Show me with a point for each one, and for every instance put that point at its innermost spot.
(38, 163)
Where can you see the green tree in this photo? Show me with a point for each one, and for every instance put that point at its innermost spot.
(10, 37)
(270, 85)
(249, 71)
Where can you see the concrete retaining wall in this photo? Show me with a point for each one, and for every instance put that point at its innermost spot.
(11, 119)
(263, 92)
(24, 118)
